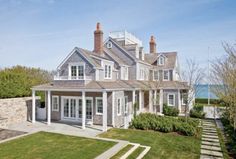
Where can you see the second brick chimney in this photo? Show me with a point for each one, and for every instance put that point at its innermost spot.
(152, 45)
(98, 40)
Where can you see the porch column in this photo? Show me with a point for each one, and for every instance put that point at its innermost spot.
(104, 114)
(113, 108)
(140, 101)
(161, 101)
(150, 101)
(155, 101)
(49, 107)
(33, 106)
(83, 109)
(179, 101)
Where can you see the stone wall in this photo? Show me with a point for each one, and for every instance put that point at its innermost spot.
(16, 110)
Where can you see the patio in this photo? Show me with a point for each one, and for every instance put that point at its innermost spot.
(67, 128)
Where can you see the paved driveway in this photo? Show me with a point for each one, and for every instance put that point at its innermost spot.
(6, 134)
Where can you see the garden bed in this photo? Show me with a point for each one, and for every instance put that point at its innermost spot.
(181, 125)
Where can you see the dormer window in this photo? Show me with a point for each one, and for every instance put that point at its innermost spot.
(161, 60)
(76, 71)
(108, 71)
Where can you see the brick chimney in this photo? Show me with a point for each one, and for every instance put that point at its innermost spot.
(98, 40)
(152, 45)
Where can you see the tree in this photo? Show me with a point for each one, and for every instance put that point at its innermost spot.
(193, 75)
(224, 76)
(18, 80)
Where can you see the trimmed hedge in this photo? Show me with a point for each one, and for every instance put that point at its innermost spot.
(170, 111)
(205, 101)
(147, 121)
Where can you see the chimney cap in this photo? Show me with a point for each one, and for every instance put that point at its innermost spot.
(98, 26)
(152, 40)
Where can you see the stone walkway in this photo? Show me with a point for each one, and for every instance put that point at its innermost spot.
(210, 147)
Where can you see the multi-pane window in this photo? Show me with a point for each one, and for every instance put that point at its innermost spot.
(108, 71)
(77, 72)
(171, 99)
(119, 106)
(73, 72)
(80, 108)
(161, 60)
(99, 106)
(156, 75)
(166, 75)
(81, 72)
(72, 108)
(66, 107)
(55, 103)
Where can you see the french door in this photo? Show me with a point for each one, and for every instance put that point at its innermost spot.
(72, 108)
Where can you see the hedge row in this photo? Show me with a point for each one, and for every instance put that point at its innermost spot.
(147, 121)
(205, 101)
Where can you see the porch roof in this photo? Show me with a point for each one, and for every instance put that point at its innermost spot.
(100, 86)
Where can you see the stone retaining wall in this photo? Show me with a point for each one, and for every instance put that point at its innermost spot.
(16, 110)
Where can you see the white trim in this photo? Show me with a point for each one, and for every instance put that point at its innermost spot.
(108, 77)
(157, 75)
(77, 98)
(168, 75)
(70, 54)
(173, 99)
(119, 114)
(57, 99)
(96, 106)
(76, 64)
(159, 61)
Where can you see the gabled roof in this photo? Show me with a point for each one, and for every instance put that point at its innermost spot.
(170, 62)
(84, 54)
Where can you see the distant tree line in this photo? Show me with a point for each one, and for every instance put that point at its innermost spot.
(17, 81)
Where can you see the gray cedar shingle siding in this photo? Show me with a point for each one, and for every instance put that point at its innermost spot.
(74, 58)
(170, 91)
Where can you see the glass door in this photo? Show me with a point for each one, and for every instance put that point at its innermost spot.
(73, 108)
(89, 112)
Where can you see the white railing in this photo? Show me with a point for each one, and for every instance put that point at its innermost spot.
(72, 78)
(124, 35)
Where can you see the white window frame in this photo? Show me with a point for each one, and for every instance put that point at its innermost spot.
(96, 99)
(53, 109)
(119, 106)
(169, 99)
(159, 60)
(77, 65)
(167, 76)
(157, 75)
(126, 104)
(106, 74)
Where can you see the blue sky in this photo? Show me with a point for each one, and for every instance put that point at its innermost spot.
(40, 33)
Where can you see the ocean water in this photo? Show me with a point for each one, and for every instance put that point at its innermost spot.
(202, 91)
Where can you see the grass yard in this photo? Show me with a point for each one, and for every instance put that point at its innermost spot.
(163, 145)
(44, 145)
(122, 152)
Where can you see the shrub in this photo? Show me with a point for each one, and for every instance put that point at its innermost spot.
(147, 121)
(197, 112)
(170, 111)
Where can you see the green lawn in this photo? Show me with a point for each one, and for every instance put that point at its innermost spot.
(44, 145)
(122, 152)
(163, 145)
